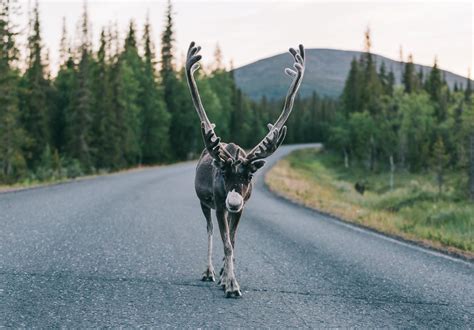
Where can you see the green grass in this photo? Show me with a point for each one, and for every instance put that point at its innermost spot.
(413, 209)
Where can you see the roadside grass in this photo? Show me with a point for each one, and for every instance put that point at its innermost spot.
(33, 182)
(413, 210)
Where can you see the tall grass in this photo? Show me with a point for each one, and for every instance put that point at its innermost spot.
(413, 209)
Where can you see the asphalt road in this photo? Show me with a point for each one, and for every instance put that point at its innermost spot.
(128, 250)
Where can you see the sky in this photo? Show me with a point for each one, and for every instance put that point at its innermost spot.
(247, 31)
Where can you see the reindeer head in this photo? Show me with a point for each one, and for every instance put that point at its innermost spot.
(233, 177)
(235, 168)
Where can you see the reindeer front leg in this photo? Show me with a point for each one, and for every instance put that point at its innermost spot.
(227, 280)
(233, 221)
(209, 274)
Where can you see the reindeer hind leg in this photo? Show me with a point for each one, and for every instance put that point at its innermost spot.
(208, 274)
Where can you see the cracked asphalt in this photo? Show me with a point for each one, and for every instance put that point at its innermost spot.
(128, 250)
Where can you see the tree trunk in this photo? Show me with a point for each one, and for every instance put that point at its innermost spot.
(346, 159)
(392, 171)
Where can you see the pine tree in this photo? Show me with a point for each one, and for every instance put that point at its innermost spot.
(64, 87)
(184, 125)
(155, 119)
(410, 78)
(79, 118)
(438, 91)
(434, 82)
(64, 83)
(383, 76)
(221, 85)
(386, 79)
(12, 162)
(64, 49)
(185, 132)
(131, 67)
(351, 96)
(167, 67)
(104, 128)
(34, 105)
(371, 86)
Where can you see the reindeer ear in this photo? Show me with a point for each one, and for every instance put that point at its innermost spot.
(256, 165)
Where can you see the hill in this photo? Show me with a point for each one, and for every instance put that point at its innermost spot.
(326, 72)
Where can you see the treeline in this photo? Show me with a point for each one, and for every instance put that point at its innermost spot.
(421, 125)
(125, 103)
(117, 106)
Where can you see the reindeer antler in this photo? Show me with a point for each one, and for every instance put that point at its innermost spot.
(277, 131)
(211, 140)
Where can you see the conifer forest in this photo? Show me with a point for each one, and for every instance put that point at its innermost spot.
(125, 103)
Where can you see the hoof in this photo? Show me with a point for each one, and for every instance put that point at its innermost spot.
(209, 275)
(234, 294)
(232, 289)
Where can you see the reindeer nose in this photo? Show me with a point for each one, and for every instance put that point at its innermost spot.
(234, 201)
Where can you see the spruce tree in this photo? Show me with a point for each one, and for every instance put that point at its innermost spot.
(410, 78)
(167, 68)
(438, 90)
(434, 83)
(221, 84)
(131, 67)
(184, 125)
(155, 119)
(104, 127)
(351, 96)
(64, 87)
(34, 104)
(371, 86)
(12, 162)
(79, 118)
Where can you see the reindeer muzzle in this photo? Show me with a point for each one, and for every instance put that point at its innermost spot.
(234, 202)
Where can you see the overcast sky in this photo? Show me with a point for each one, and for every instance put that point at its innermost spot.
(251, 30)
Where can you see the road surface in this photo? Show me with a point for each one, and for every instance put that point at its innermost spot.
(128, 250)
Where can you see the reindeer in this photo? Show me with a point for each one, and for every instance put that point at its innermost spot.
(224, 171)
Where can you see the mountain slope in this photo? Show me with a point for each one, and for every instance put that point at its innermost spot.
(326, 72)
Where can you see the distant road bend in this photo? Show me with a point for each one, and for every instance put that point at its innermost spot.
(129, 249)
